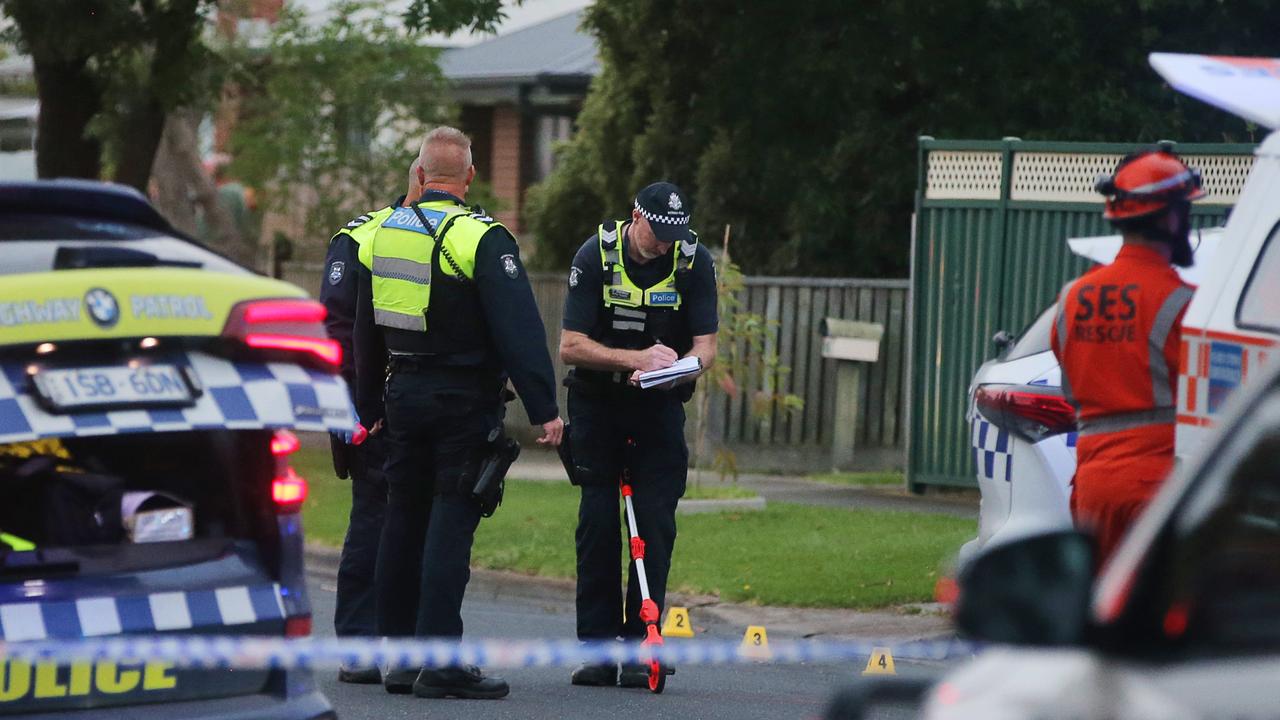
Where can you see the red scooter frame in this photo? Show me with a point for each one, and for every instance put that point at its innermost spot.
(648, 608)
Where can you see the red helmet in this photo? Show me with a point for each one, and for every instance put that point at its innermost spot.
(1146, 183)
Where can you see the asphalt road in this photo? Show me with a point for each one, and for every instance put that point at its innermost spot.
(693, 693)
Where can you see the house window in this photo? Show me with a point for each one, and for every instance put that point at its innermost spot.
(551, 130)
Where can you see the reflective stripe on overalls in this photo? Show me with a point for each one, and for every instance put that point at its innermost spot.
(1162, 411)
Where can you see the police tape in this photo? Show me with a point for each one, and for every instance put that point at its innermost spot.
(254, 652)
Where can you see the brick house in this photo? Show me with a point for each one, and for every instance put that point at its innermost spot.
(519, 94)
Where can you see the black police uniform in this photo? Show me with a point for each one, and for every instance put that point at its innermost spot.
(442, 399)
(354, 613)
(604, 412)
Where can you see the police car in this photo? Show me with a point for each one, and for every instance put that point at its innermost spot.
(148, 390)
(1021, 427)
(1180, 624)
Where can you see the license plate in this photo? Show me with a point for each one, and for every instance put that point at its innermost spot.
(113, 386)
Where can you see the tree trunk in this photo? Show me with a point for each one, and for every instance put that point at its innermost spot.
(176, 26)
(69, 98)
(139, 140)
(180, 152)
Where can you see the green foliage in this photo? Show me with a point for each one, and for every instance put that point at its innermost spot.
(140, 59)
(336, 110)
(446, 16)
(746, 363)
(797, 122)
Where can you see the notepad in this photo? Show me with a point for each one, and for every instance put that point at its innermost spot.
(683, 367)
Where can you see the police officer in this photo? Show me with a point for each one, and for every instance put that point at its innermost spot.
(447, 309)
(1117, 336)
(642, 293)
(355, 607)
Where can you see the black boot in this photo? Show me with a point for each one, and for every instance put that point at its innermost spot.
(359, 675)
(399, 682)
(636, 675)
(462, 682)
(604, 675)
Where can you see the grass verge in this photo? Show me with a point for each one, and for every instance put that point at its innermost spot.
(861, 478)
(785, 554)
(717, 490)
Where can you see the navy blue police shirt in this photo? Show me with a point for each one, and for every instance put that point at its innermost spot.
(584, 303)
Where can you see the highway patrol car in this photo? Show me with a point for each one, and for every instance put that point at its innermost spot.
(148, 388)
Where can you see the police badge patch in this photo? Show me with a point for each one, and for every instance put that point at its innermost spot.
(336, 270)
(510, 267)
(573, 277)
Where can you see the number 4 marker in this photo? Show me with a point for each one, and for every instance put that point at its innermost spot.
(880, 662)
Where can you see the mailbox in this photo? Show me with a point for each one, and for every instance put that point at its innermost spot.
(851, 343)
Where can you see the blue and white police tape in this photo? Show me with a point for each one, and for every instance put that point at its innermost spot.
(257, 652)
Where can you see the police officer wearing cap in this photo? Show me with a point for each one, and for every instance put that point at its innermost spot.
(1118, 334)
(447, 315)
(362, 461)
(642, 294)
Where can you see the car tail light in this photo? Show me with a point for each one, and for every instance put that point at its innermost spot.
(288, 491)
(284, 442)
(286, 325)
(1031, 412)
(297, 626)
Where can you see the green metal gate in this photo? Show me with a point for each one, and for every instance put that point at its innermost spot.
(989, 252)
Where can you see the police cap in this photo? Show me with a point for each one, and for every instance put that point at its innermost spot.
(667, 209)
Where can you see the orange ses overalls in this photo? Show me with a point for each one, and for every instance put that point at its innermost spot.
(1117, 337)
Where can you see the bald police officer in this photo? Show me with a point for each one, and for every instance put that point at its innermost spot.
(642, 293)
(446, 317)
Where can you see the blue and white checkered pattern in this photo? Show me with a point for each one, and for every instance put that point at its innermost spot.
(155, 612)
(992, 451)
(236, 396)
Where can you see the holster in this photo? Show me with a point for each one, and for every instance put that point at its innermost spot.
(341, 456)
(491, 477)
(565, 451)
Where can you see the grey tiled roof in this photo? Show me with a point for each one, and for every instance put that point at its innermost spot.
(555, 47)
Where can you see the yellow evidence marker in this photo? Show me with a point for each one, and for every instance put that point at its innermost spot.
(755, 643)
(677, 624)
(880, 662)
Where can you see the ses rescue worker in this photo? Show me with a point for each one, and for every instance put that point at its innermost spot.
(642, 294)
(1117, 336)
(446, 316)
(354, 613)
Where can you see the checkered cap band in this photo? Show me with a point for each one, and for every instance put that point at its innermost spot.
(664, 219)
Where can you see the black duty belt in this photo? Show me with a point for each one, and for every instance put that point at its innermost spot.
(423, 362)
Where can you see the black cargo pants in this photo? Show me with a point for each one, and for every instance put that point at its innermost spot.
(601, 421)
(437, 422)
(355, 612)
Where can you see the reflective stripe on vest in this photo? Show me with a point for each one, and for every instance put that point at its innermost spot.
(16, 543)
(400, 258)
(620, 293)
(1128, 421)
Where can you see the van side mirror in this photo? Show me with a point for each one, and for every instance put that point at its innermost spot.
(1033, 591)
(1002, 340)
